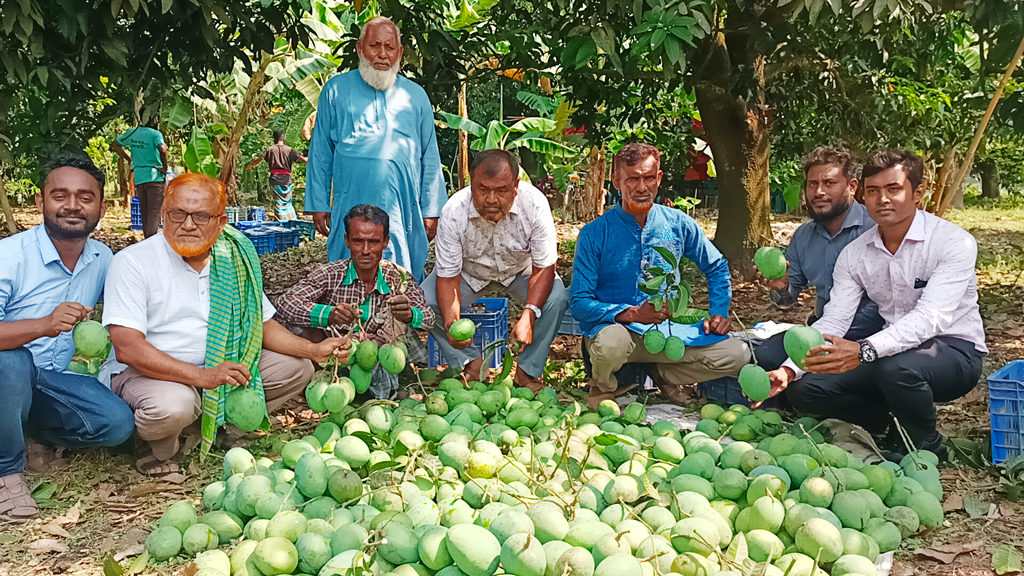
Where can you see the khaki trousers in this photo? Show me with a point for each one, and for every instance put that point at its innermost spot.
(616, 345)
(163, 409)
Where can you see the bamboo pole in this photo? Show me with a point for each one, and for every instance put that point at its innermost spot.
(965, 168)
(463, 139)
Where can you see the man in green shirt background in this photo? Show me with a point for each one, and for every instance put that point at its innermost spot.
(149, 162)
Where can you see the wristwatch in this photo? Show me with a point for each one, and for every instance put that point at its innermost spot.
(536, 310)
(868, 354)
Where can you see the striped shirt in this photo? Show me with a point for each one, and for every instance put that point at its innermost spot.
(309, 303)
(34, 281)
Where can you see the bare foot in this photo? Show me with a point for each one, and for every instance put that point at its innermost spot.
(471, 371)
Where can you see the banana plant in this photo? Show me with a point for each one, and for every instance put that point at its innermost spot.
(668, 286)
(530, 131)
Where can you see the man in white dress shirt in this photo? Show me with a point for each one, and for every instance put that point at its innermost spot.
(498, 237)
(919, 269)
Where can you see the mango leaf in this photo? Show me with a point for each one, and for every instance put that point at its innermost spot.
(1006, 559)
(791, 194)
(606, 439)
(460, 123)
(112, 567)
(656, 271)
(738, 550)
(604, 38)
(676, 306)
(691, 316)
(652, 286)
(657, 301)
(139, 564)
(382, 465)
(667, 255)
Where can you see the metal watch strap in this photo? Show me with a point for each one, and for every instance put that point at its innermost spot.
(536, 310)
(868, 354)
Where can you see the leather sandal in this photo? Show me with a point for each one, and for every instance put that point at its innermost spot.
(16, 503)
(596, 395)
(149, 465)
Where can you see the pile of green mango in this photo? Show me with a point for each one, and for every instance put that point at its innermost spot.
(480, 480)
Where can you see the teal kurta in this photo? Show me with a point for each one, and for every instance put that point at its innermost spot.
(376, 147)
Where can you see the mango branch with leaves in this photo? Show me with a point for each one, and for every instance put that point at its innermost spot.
(668, 286)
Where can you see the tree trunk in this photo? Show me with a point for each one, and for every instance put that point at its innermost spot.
(229, 156)
(592, 204)
(989, 179)
(738, 135)
(463, 140)
(123, 178)
(5, 204)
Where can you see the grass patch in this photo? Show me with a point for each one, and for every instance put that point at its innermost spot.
(998, 225)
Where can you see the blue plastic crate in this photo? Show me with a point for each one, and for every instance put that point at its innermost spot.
(492, 325)
(283, 237)
(1006, 411)
(250, 224)
(257, 213)
(569, 325)
(262, 240)
(307, 231)
(726, 390)
(136, 211)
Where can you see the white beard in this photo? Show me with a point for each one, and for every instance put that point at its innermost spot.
(381, 80)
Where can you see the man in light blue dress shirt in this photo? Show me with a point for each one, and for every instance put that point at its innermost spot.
(836, 220)
(50, 278)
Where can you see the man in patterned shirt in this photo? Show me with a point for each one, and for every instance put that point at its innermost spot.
(381, 294)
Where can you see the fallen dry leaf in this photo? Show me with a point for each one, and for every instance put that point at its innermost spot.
(953, 502)
(71, 516)
(189, 570)
(174, 478)
(48, 545)
(946, 553)
(1006, 509)
(55, 529)
(133, 550)
(993, 512)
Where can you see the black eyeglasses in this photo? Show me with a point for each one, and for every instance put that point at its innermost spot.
(198, 218)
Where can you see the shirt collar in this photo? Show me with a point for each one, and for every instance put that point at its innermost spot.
(179, 260)
(351, 276)
(652, 215)
(916, 233)
(48, 252)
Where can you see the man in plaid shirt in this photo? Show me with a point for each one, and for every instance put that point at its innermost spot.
(381, 294)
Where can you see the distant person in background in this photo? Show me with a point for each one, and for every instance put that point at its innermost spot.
(148, 157)
(280, 158)
(374, 143)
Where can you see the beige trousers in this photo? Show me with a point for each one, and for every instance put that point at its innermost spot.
(616, 345)
(163, 409)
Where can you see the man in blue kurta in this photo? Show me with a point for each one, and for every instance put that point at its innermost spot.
(613, 254)
(374, 142)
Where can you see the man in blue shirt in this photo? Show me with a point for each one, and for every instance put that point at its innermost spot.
(836, 219)
(50, 278)
(613, 254)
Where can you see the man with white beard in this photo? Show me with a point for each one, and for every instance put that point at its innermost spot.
(374, 143)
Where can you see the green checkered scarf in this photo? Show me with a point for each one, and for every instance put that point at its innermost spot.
(235, 328)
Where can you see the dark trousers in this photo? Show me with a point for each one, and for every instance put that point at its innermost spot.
(905, 386)
(151, 199)
(57, 408)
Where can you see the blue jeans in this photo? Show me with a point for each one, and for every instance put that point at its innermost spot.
(63, 410)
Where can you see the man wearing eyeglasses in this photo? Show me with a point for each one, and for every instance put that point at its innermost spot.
(189, 321)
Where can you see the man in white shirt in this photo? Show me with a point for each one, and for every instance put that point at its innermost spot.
(919, 269)
(498, 236)
(158, 310)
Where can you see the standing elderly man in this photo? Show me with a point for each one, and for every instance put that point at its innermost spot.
(189, 321)
(50, 278)
(378, 293)
(374, 143)
(613, 254)
(498, 236)
(919, 269)
(836, 220)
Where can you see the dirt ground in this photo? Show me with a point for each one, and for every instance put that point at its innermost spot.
(98, 507)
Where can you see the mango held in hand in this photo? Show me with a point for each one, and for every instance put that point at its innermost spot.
(654, 341)
(799, 340)
(759, 255)
(366, 355)
(773, 264)
(755, 382)
(674, 348)
(463, 329)
(391, 358)
(244, 408)
(91, 339)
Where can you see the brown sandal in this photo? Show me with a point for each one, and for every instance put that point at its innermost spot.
(149, 465)
(596, 395)
(16, 503)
